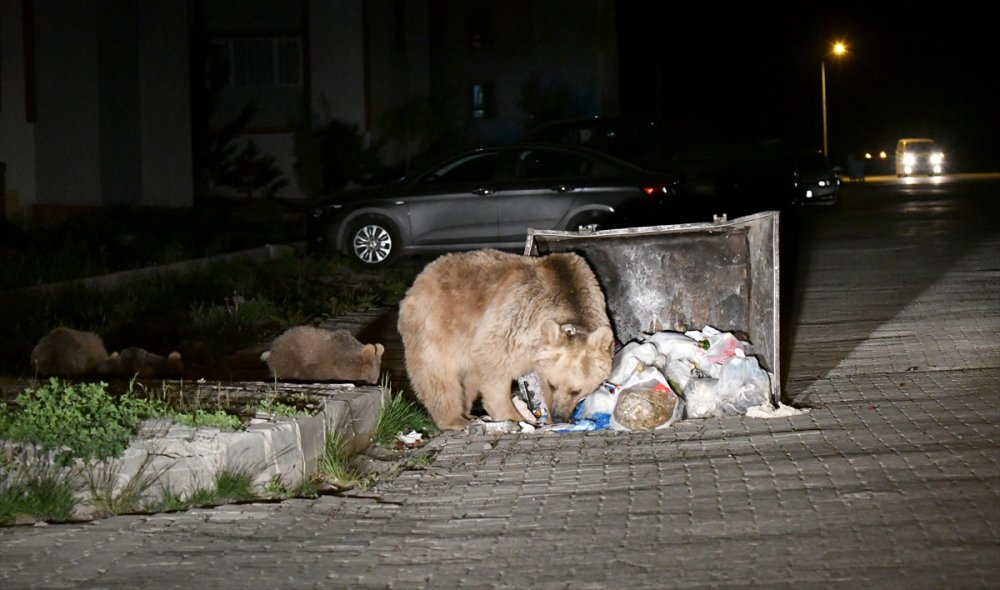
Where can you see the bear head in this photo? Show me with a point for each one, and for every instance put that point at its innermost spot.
(571, 364)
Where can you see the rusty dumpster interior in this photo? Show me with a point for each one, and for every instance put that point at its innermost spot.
(722, 274)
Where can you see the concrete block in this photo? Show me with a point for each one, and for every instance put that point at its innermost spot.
(353, 415)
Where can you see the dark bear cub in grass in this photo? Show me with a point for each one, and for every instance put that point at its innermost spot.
(65, 352)
(305, 353)
(139, 362)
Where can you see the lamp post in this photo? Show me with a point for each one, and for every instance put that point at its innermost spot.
(838, 49)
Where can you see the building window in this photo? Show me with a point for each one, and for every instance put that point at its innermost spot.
(261, 62)
(482, 101)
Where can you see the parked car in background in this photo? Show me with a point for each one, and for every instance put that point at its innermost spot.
(644, 142)
(918, 156)
(814, 181)
(714, 176)
(489, 197)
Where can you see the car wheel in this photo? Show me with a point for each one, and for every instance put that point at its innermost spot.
(373, 241)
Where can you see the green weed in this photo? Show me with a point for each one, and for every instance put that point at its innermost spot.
(198, 418)
(37, 489)
(399, 415)
(335, 464)
(276, 487)
(233, 485)
(81, 420)
(273, 407)
(102, 483)
(169, 501)
(203, 497)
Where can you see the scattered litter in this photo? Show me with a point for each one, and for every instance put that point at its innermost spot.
(409, 440)
(665, 377)
(480, 426)
(530, 399)
(769, 411)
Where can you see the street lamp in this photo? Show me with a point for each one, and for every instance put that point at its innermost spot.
(839, 48)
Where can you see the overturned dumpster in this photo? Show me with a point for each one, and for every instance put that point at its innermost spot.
(723, 274)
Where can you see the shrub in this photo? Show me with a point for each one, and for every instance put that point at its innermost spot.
(82, 419)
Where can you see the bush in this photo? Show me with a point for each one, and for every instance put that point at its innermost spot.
(81, 419)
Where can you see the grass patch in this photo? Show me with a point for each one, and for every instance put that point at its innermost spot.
(233, 485)
(400, 415)
(169, 501)
(270, 406)
(38, 490)
(102, 482)
(335, 464)
(200, 418)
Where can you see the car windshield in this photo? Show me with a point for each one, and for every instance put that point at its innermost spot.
(923, 146)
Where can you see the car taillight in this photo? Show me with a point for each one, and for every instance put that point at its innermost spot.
(657, 189)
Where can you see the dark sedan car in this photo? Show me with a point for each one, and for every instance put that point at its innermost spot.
(814, 181)
(489, 197)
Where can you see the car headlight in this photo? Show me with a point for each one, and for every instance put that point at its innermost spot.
(937, 158)
(909, 159)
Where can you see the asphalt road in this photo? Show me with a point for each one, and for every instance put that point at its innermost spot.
(890, 323)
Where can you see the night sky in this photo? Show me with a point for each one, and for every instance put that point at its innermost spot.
(750, 71)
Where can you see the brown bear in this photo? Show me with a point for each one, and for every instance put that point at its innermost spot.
(139, 362)
(473, 322)
(306, 353)
(66, 352)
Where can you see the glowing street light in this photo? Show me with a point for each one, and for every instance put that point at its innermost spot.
(839, 48)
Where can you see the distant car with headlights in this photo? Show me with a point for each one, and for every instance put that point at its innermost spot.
(814, 181)
(488, 197)
(918, 156)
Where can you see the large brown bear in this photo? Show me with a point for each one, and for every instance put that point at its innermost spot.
(473, 322)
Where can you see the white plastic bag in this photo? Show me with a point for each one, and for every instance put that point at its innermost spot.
(632, 358)
(701, 398)
(742, 385)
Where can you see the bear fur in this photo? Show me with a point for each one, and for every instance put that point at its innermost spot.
(306, 353)
(65, 352)
(139, 362)
(473, 322)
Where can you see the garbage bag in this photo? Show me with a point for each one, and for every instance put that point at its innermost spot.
(632, 358)
(646, 402)
(742, 385)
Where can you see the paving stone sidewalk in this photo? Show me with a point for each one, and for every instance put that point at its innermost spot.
(891, 480)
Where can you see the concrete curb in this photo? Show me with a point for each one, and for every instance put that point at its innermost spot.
(125, 277)
(172, 458)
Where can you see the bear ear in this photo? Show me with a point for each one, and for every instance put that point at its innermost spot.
(551, 333)
(601, 338)
(372, 352)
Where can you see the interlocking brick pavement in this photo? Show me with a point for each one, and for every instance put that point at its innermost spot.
(891, 480)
